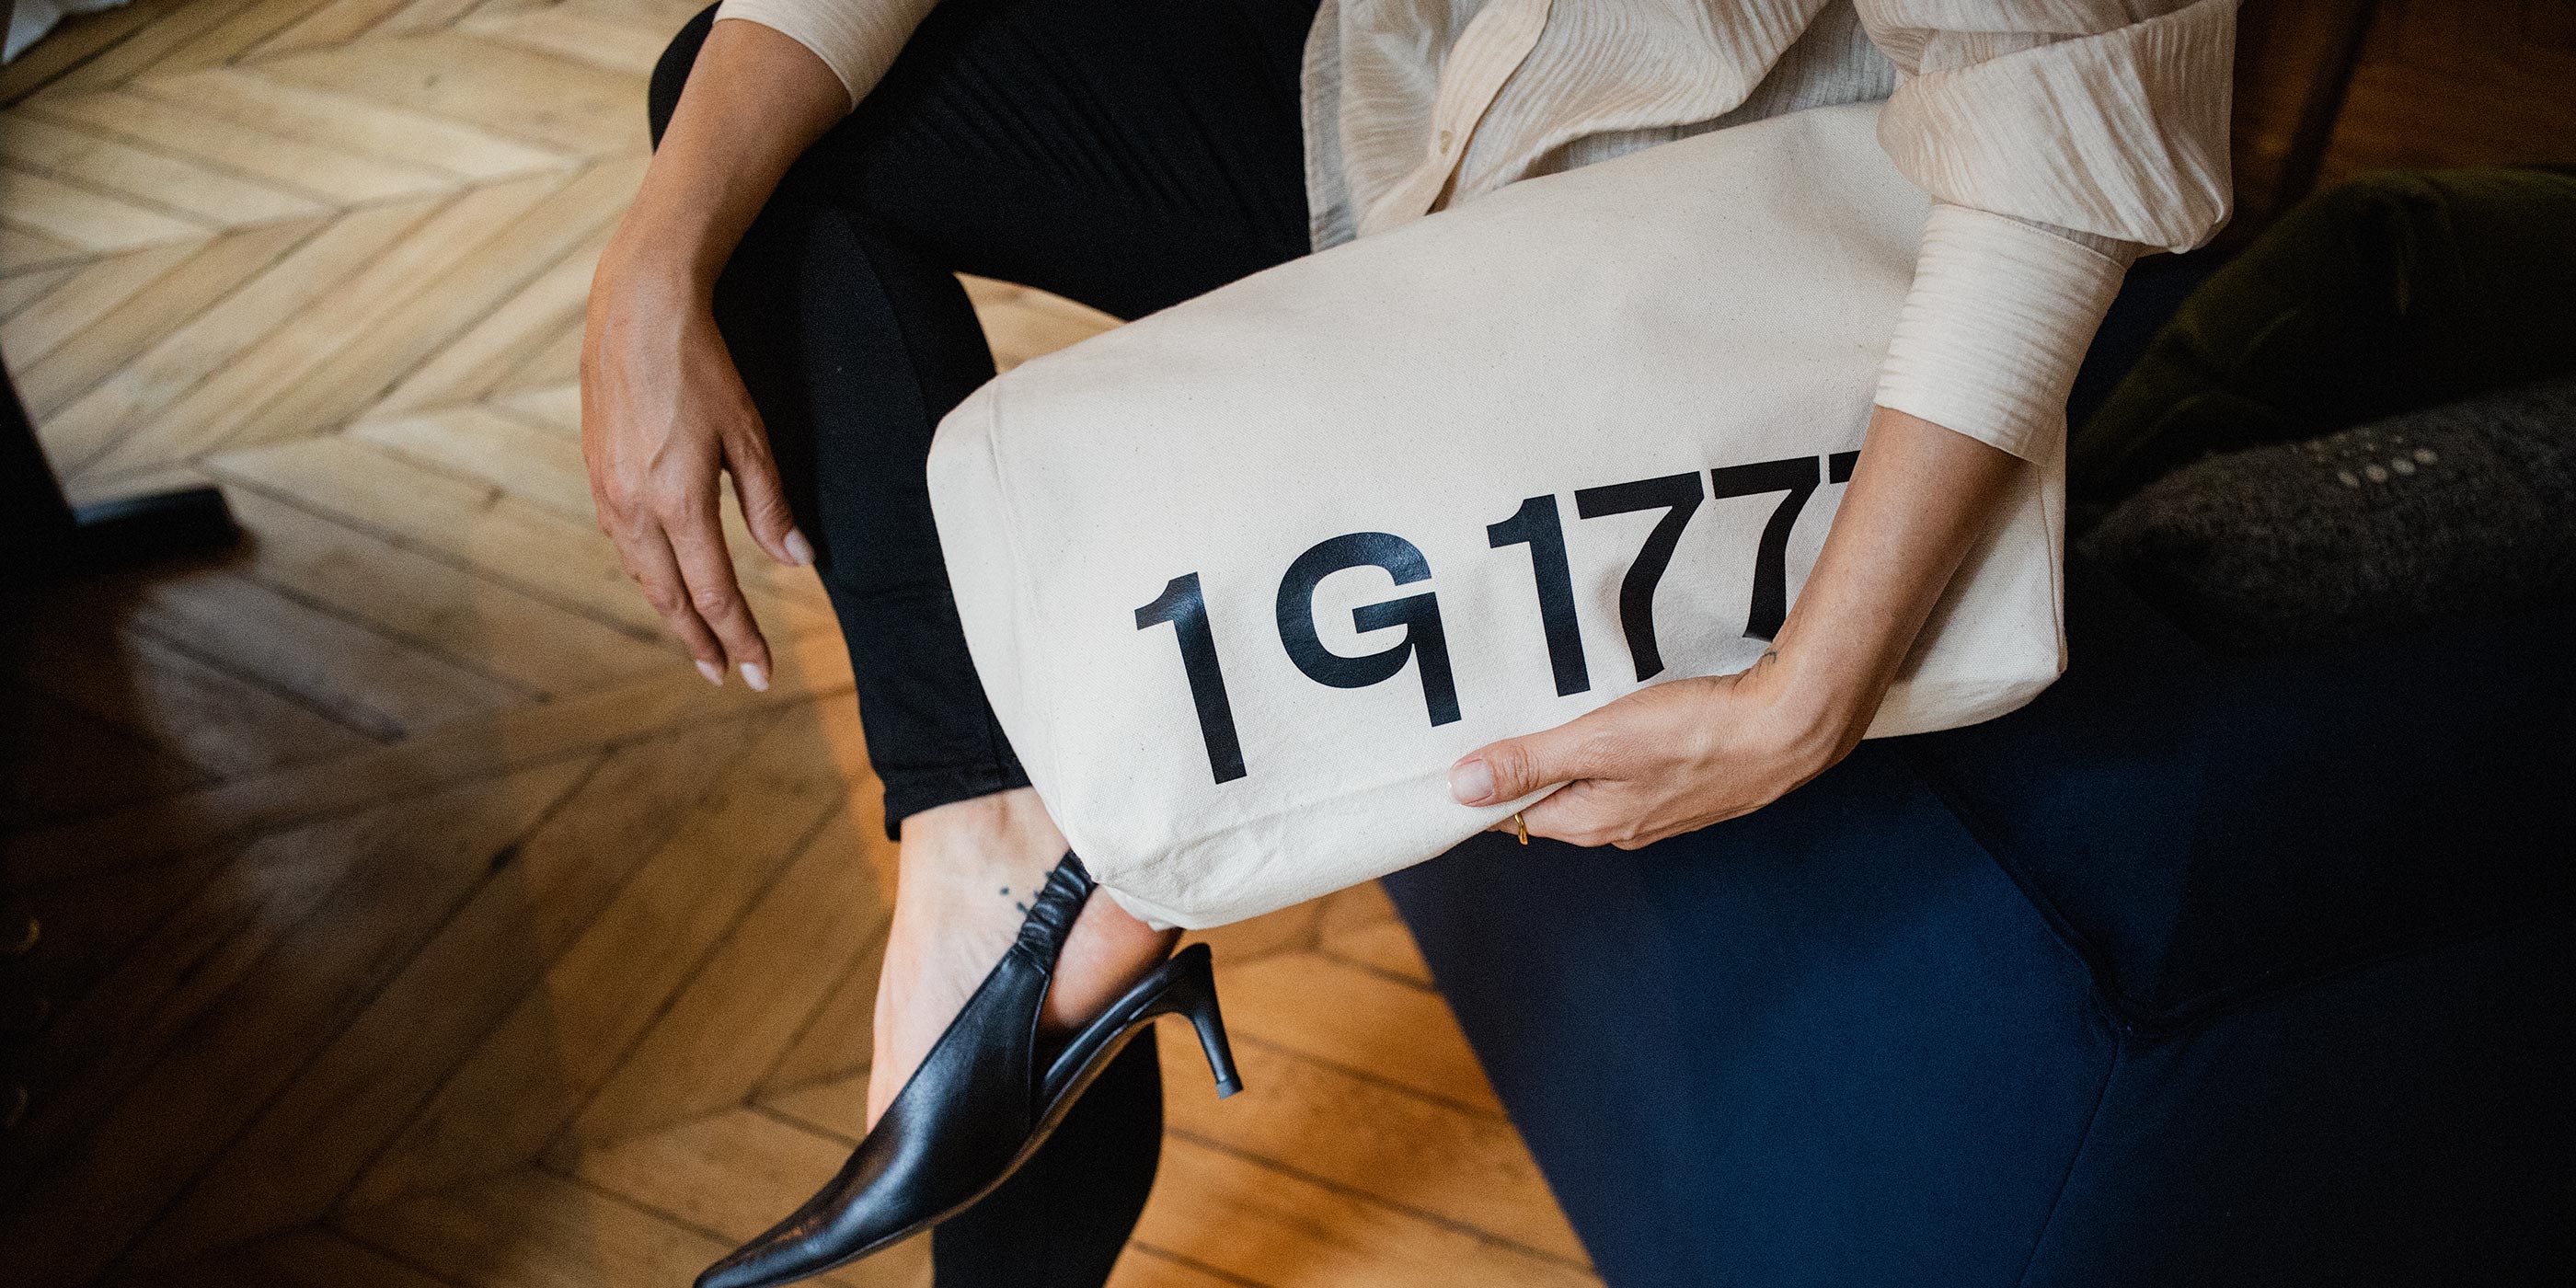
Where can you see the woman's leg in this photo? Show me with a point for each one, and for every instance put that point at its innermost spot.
(1127, 154)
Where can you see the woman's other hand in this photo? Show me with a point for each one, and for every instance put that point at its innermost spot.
(663, 412)
(663, 415)
(1682, 755)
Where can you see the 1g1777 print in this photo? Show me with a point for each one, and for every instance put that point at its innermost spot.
(1537, 524)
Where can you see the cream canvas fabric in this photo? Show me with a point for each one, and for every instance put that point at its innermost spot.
(1244, 577)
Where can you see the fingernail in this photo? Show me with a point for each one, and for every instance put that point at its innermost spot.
(713, 672)
(1471, 782)
(800, 552)
(757, 676)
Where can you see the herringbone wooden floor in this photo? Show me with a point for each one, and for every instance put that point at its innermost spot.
(411, 913)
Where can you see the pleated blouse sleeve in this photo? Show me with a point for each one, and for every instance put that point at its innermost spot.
(857, 39)
(2059, 139)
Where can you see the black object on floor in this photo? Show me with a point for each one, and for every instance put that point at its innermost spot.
(44, 538)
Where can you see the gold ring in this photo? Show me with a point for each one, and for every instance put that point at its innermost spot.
(1520, 827)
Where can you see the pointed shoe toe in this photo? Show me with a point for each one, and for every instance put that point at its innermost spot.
(982, 1101)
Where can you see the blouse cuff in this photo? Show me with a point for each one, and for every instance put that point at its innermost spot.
(1998, 320)
(857, 41)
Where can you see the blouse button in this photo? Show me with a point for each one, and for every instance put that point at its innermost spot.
(1446, 138)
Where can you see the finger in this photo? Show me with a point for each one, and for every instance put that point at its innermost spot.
(647, 556)
(764, 499)
(1578, 815)
(1515, 767)
(697, 541)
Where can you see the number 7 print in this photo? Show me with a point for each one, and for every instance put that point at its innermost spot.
(1678, 495)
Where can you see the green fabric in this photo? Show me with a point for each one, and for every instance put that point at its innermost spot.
(2393, 292)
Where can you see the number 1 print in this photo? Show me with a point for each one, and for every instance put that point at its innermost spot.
(1185, 608)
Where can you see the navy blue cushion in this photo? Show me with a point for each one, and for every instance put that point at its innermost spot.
(1776, 1051)
(2203, 827)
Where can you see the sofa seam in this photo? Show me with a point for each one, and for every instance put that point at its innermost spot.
(2075, 1159)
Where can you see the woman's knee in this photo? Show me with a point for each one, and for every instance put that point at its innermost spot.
(671, 73)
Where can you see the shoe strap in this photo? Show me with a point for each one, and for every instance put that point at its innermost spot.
(1051, 914)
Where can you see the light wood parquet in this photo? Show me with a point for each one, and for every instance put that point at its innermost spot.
(412, 916)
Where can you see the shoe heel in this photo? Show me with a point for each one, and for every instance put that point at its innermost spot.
(1193, 997)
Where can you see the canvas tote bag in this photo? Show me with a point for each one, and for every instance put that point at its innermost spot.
(1243, 578)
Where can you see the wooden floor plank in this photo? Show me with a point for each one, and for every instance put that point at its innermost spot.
(1145, 1268)
(130, 57)
(142, 319)
(1386, 947)
(475, 362)
(86, 217)
(77, 40)
(245, 29)
(104, 1039)
(567, 32)
(1359, 906)
(180, 1113)
(92, 928)
(1290, 929)
(1221, 1211)
(546, 468)
(549, 362)
(526, 1081)
(24, 250)
(554, 406)
(61, 760)
(303, 1150)
(746, 1006)
(89, 293)
(249, 399)
(1369, 1138)
(352, 122)
(372, 361)
(132, 400)
(367, 681)
(532, 1229)
(552, 103)
(520, 737)
(195, 712)
(462, 618)
(1357, 1020)
(480, 527)
(546, 552)
(147, 178)
(335, 23)
(308, 1258)
(317, 170)
(19, 293)
(733, 1175)
(485, 445)
(839, 1040)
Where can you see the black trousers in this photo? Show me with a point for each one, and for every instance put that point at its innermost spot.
(1128, 154)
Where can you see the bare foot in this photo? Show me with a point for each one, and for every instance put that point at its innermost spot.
(967, 873)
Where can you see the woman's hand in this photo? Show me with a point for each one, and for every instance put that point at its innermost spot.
(663, 414)
(1667, 760)
(1679, 756)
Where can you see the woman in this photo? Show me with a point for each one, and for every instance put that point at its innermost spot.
(779, 306)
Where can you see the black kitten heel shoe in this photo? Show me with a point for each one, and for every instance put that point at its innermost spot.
(983, 1100)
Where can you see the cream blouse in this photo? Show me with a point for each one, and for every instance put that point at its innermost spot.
(2058, 139)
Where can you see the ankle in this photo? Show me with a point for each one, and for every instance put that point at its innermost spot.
(1004, 836)
(1106, 951)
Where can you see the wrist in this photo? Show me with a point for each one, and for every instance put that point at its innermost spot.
(1832, 684)
(640, 266)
